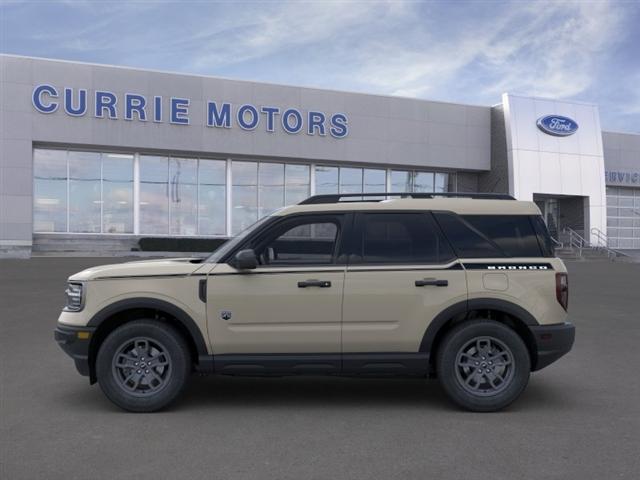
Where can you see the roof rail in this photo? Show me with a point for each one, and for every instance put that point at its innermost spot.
(369, 197)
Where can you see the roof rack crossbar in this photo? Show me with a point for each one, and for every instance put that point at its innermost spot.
(368, 197)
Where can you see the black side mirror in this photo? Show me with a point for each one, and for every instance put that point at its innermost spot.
(245, 260)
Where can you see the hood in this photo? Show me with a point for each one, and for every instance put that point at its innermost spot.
(142, 268)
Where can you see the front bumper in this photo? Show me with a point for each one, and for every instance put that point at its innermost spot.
(75, 343)
(552, 342)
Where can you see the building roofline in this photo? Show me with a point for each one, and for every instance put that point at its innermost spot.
(200, 75)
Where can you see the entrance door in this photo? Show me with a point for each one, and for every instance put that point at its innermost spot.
(291, 303)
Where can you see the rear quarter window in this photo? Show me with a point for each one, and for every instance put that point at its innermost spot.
(491, 236)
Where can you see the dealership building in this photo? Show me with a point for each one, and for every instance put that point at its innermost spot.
(103, 156)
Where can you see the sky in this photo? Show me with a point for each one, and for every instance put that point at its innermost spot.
(458, 51)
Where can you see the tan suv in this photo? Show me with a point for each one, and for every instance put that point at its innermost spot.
(460, 287)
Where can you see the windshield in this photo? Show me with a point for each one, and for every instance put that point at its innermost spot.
(232, 243)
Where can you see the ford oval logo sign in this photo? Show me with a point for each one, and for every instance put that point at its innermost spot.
(557, 125)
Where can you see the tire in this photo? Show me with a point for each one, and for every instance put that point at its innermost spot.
(143, 365)
(483, 365)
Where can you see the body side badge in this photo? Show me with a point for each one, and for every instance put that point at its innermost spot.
(225, 314)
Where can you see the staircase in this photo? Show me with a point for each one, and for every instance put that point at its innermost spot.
(570, 245)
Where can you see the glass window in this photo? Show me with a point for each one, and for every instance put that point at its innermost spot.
(375, 181)
(467, 241)
(402, 238)
(423, 182)
(350, 180)
(401, 181)
(85, 202)
(212, 197)
(441, 182)
(303, 242)
(154, 195)
(271, 183)
(244, 194)
(183, 196)
(296, 183)
(49, 190)
(326, 180)
(513, 234)
(117, 193)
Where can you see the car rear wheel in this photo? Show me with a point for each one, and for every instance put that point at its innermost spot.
(143, 365)
(483, 365)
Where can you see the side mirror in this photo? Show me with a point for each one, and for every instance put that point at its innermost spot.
(245, 260)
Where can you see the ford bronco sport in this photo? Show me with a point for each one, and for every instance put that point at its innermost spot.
(460, 287)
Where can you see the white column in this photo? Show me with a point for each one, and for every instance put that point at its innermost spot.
(229, 180)
(136, 194)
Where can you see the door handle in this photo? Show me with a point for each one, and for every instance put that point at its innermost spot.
(314, 283)
(425, 282)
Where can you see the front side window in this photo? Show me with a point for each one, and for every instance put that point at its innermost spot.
(309, 241)
(401, 238)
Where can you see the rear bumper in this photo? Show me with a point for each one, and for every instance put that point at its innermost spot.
(552, 342)
(74, 345)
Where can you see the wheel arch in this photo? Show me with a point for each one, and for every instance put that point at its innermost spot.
(123, 311)
(503, 311)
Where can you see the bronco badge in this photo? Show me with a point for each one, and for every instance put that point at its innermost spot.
(225, 315)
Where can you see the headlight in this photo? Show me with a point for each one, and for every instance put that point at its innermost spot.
(75, 297)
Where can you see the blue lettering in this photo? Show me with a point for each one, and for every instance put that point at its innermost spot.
(37, 100)
(135, 103)
(339, 127)
(316, 121)
(218, 118)
(180, 111)
(271, 117)
(68, 102)
(253, 113)
(106, 100)
(157, 109)
(286, 123)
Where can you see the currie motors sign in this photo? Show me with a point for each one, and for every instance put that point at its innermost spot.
(130, 106)
(557, 125)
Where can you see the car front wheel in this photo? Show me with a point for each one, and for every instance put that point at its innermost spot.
(483, 365)
(143, 365)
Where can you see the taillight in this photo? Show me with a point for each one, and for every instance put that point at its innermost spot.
(562, 289)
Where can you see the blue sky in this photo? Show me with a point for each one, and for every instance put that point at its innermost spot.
(461, 51)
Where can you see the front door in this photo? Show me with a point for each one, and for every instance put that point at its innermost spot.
(291, 303)
(402, 275)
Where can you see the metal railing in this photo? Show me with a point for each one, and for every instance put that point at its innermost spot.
(579, 243)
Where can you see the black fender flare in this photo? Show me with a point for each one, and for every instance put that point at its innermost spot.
(156, 304)
(465, 306)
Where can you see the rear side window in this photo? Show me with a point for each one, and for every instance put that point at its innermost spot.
(490, 236)
(467, 241)
(513, 234)
(544, 237)
(401, 238)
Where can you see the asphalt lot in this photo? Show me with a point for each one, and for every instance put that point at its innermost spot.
(579, 418)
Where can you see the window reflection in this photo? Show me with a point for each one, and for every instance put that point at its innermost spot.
(423, 182)
(49, 190)
(375, 181)
(183, 196)
(350, 180)
(296, 183)
(326, 179)
(154, 194)
(85, 202)
(244, 193)
(117, 193)
(401, 181)
(271, 183)
(212, 196)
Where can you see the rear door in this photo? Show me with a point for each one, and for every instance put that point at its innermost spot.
(401, 274)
